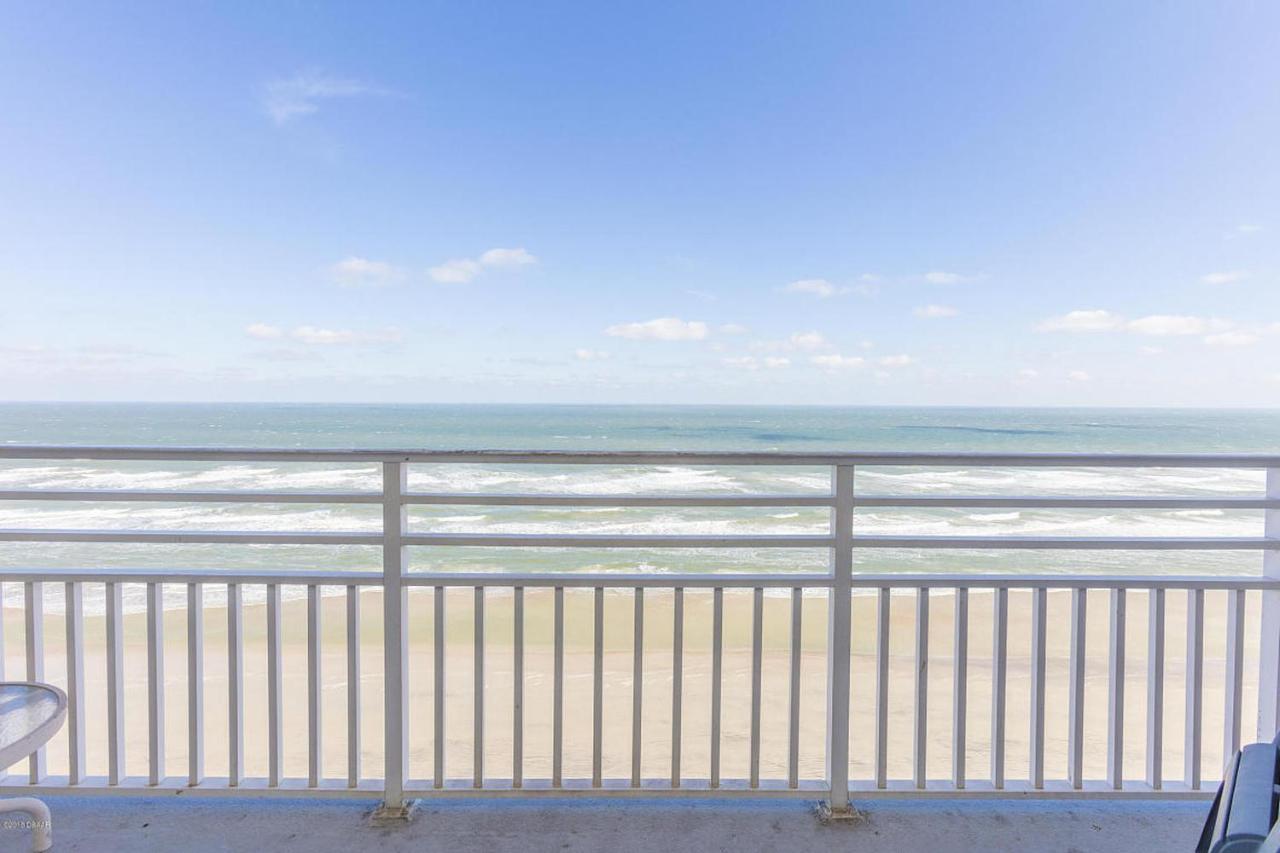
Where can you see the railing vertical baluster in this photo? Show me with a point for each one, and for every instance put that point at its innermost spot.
(115, 683)
(517, 688)
(155, 683)
(960, 688)
(235, 685)
(793, 698)
(597, 689)
(195, 683)
(353, 692)
(757, 661)
(74, 606)
(839, 640)
(1039, 615)
(395, 638)
(882, 687)
(1269, 648)
(2, 651)
(999, 679)
(717, 643)
(677, 682)
(1155, 688)
(1194, 688)
(1234, 685)
(637, 685)
(438, 688)
(920, 740)
(477, 730)
(34, 600)
(1115, 693)
(1075, 712)
(275, 687)
(315, 691)
(557, 689)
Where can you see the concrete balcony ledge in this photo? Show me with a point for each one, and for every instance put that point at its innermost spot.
(496, 825)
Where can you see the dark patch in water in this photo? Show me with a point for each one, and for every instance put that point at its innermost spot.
(988, 430)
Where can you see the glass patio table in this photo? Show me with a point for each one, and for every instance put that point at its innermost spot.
(30, 714)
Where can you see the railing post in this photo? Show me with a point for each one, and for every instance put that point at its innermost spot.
(839, 639)
(1269, 645)
(394, 636)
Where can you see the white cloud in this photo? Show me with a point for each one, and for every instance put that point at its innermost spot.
(517, 257)
(1095, 320)
(263, 331)
(733, 329)
(352, 270)
(943, 277)
(456, 271)
(818, 287)
(895, 360)
(807, 341)
(1173, 324)
(1028, 373)
(936, 311)
(1229, 277)
(660, 329)
(288, 98)
(463, 270)
(319, 336)
(1079, 376)
(838, 362)
(1231, 339)
(590, 354)
(1248, 228)
(750, 362)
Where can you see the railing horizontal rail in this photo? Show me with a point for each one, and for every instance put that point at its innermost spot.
(618, 580)
(192, 537)
(557, 457)
(475, 499)
(1064, 502)
(1072, 543)
(672, 500)
(587, 540)
(151, 495)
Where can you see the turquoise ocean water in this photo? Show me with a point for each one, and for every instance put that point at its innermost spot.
(631, 428)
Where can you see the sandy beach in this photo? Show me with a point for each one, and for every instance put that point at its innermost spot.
(656, 722)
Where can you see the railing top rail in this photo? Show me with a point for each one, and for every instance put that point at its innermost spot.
(637, 457)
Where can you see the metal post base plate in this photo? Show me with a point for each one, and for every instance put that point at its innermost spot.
(385, 815)
(847, 816)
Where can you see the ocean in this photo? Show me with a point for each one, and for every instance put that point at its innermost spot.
(755, 428)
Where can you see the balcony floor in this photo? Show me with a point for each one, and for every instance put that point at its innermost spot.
(494, 825)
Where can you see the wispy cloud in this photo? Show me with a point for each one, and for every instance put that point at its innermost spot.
(934, 312)
(818, 287)
(944, 277)
(463, 270)
(1231, 339)
(590, 355)
(355, 272)
(1094, 320)
(288, 98)
(1152, 325)
(895, 360)
(751, 362)
(321, 336)
(660, 329)
(1079, 376)
(1228, 277)
(835, 361)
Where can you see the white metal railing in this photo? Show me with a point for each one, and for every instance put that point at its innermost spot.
(840, 587)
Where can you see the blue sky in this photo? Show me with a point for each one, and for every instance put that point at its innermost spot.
(933, 203)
